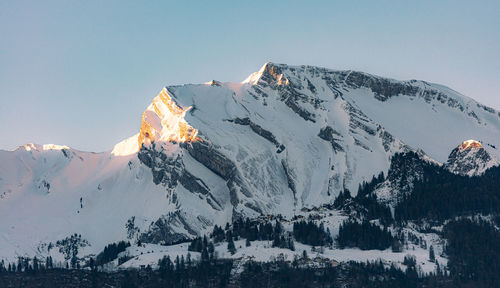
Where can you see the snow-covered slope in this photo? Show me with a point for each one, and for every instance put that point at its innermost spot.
(285, 138)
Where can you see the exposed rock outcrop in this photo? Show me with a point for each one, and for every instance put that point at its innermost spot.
(331, 135)
(259, 131)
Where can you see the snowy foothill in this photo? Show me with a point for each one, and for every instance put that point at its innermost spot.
(262, 251)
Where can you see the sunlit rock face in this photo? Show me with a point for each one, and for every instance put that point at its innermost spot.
(164, 120)
(470, 144)
(269, 74)
(470, 158)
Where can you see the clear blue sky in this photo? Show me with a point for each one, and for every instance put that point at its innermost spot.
(80, 73)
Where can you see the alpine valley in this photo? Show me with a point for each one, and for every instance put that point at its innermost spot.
(343, 166)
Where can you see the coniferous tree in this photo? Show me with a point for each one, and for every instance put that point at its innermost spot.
(291, 245)
(432, 257)
(188, 260)
(396, 246)
(35, 264)
(204, 255)
(196, 245)
(91, 263)
(177, 263)
(211, 250)
(230, 245)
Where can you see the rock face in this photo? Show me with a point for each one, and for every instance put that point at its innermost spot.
(287, 137)
(164, 120)
(470, 158)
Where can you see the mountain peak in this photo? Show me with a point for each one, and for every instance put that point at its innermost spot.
(470, 158)
(470, 144)
(164, 120)
(268, 73)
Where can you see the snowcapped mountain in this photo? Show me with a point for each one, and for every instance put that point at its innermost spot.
(287, 137)
(470, 158)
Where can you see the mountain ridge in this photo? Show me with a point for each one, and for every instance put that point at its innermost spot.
(288, 137)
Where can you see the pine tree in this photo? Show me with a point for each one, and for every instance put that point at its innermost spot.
(92, 263)
(74, 261)
(35, 264)
(276, 241)
(230, 246)
(211, 250)
(188, 260)
(19, 264)
(204, 255)
(177, 263)
(432, 257)
(291, 245)
(396, 246)
(205, 241)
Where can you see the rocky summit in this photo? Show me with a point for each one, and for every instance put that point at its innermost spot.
(470, 158)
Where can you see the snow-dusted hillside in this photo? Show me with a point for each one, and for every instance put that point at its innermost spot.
(285, 138)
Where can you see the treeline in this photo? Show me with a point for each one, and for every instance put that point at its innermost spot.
(366, 188)
(203, 246)
(69, 246)
(279, 273)
(372, 209)
(364, 235)
(311, 234)
(253, 230)
(25, 264)
(365, 203)
(249, 229)
(442, 195)
(110, 253)
(306, 232)
(178, 274)
(352, 274)
(184, 272)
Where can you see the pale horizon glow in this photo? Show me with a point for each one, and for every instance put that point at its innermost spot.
(81, 73)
